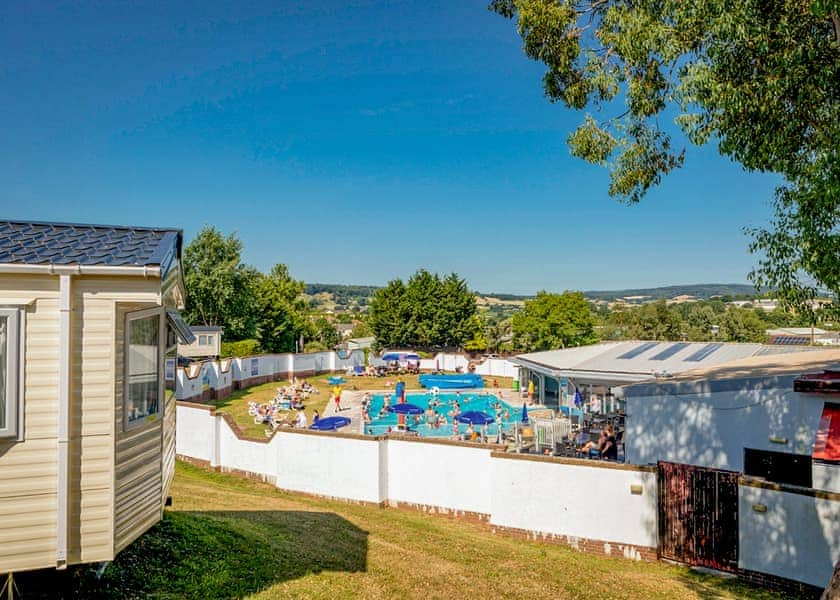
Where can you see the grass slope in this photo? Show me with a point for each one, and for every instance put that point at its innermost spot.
(229, 538)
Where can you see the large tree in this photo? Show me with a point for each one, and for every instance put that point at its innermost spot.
(553, 321)
(425, 312)
(221, 290)
(759, 78)
(282, 311)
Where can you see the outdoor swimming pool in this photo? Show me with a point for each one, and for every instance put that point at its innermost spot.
(469, 400)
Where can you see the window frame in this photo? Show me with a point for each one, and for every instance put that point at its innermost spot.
(13, 431)
(161, 341)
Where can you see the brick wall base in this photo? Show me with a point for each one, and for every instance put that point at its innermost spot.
(782, 584)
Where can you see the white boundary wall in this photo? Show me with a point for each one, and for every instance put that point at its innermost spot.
(452, 477)
(798, 537)
(576, 501)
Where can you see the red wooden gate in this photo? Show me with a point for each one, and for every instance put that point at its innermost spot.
(698, 515)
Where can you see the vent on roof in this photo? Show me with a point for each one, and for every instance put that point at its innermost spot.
(669, 351)
(639, 350)
(703, 352)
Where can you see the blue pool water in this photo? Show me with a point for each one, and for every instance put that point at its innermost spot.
(480, 400)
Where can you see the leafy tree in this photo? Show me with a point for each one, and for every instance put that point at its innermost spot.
(652, 321)
(739, 325)
(553, 321)
(362, 329)
(478, 342)
(220, 288)
(425, 312)
(759, 78)
(326, 333)
(282, 311)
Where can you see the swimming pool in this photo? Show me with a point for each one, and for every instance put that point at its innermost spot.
(483, 401)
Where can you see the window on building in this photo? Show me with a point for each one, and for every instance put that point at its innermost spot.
(202, 340)
(11, 399)
(143, 382)
(209, 340)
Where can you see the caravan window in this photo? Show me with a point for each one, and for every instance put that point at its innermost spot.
(142, 367)
(11, 401)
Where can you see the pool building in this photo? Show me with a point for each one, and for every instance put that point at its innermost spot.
(589, 373)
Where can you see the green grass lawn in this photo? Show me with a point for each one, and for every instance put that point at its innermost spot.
(226, 537)
(237, 403)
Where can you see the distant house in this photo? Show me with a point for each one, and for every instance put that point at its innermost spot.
(757, 415)
(88, 332)
(345, 330)
(207, 343)
(796, 336)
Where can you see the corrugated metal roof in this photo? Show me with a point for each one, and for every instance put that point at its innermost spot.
(640, 357)
(39, 243)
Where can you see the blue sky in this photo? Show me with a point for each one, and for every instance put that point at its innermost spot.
(354, 141)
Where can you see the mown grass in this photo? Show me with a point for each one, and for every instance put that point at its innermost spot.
(237, 403)
(231, 538)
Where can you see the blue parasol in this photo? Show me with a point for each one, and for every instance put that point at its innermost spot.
(406, 409)
(524, 413)
(330, 423)
(402, 356)
(476, 417)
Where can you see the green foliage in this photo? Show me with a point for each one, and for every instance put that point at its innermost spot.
(362, 329)
(282, 312)
(326, 333)
(220, 288)
(553, 321)
(241, 348)
(761, 79)
(426, 312)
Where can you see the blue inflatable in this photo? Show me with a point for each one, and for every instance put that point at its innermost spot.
(451, 382)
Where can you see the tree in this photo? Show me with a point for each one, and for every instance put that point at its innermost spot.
(759, 78)
(282, 311)
(220, 288)
(553, 321)
(425, 312)
(326, 333)
(739, 325)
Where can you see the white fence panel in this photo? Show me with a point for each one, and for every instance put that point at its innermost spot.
(794, 535)
(447, 476)
(575, 500)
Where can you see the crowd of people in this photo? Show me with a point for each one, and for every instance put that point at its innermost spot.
(276, 413)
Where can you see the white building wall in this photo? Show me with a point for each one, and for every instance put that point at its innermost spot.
(826, 477)
(195, 433)
(576, 501)
(330, 465)
(712, 429)
(497, 367)
(798, 537)
(446, 476)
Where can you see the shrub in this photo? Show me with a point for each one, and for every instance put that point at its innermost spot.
(241, 348)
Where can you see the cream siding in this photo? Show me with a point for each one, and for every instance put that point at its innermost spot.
(28, 469)
(114, 477)
(138, 492)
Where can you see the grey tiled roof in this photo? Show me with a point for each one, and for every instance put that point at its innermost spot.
(38, 243)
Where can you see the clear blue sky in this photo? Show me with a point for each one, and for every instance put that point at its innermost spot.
(354, 141)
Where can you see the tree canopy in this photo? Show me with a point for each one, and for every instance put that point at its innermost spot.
(427, 312)
(760, 79)
(552, 321)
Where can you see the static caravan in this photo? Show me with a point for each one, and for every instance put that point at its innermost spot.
(88, 333)
(207, 343)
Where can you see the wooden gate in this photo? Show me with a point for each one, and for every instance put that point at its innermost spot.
(698, 515)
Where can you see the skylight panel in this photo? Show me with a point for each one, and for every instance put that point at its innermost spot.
(669, 351)
(703, 352)
(638, 350)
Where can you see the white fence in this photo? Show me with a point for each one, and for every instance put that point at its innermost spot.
(599, 507)
(221, 376)
(491, 367)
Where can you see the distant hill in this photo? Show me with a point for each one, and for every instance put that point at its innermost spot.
(338, 296)
(702, 291)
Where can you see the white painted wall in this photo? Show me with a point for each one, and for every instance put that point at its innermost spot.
(713, 429)
(453, 477)
(575, 500)
(195, 433)
(245, 455)
(797, 538)
(329, 465)
(497, 367)
(826, 477)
